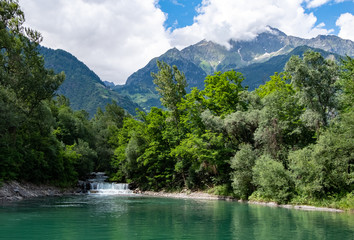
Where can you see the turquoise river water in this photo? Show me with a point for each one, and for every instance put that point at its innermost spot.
(138, 217)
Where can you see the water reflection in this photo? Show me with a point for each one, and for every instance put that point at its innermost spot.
(136, 217)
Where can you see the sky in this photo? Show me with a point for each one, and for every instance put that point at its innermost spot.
(115, 38)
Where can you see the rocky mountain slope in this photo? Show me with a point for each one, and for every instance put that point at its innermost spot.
(257, 60)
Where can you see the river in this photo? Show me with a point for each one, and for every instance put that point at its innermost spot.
(139, 217)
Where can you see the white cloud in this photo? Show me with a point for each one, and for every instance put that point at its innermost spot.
(117, 37)
(114, 38)
(175, 2)
(318, 3)
(346, 24)
(221, 20)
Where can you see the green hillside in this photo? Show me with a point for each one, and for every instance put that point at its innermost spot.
(82, 86)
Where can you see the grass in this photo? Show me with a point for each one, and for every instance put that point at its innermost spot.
(221, 190)
(345, 202)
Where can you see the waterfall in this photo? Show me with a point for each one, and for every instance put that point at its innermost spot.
(99, 186)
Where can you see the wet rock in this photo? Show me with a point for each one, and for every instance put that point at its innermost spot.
(13, 190)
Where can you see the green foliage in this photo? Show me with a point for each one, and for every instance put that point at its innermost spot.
(286, 141)
(242, 176)
(346, 202)
(84, 163)
(314, 79)
(37, 134)
(267, 134)
(171, 85)
(221, 190)
(346, 83)
(28, 150)
(272, 180)
(327, 166)
(221, 92)
(280, 125)
(240, 126)
(195, 159)
(82, 86)
(277, 82)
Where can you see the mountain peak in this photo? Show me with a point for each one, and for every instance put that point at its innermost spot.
(275, 31)
(173, 53)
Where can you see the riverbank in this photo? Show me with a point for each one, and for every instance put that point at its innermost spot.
(13, 191)
(206, 196)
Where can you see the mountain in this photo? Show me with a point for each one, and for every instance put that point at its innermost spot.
(259, 73)
(82, 86)
(108, 84)
(256, 59)
(139, 85)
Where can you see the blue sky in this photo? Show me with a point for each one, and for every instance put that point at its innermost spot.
(329, 13)
(182, 12)
(116, 38)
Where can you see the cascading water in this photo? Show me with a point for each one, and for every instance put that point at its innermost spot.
(99, 186)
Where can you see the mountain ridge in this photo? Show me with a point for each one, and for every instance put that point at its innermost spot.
(82, 86)
(206, 57)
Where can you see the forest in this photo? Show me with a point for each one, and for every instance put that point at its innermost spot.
(290, 140)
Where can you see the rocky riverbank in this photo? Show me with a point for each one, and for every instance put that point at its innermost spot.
(299, 207)
(202, 195)
(183, 194)
(12, 191)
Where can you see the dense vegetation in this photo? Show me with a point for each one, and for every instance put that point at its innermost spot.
(41, 138)
(290, 140)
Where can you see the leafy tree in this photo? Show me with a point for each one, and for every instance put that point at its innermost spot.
(105, 127)
(29, 149)
(171, 85)
(22, 69)
(346, 83)
(327, 166)
(127, 169)
(314, 78)
(10, 121)
(86, 157)
(280, 125)
(241, 126)
(242, 175)
(277, 83)
(191, 108)
(273, 182)
(221, 94)
(156, 159)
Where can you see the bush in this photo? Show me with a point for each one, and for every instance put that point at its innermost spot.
(242, 164)
(272, 180)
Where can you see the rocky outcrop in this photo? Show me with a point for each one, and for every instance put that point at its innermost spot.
(11, 191)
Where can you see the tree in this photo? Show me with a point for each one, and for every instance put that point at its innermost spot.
(346, 84)
(106, 125)
(22, 69)
(171, 85)
(277, 82)
(241, 126)
(314, 78)
(327, 166)
(280, 125)
(29, 148)
(272, 180)
(221, 94)
(242, 175)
